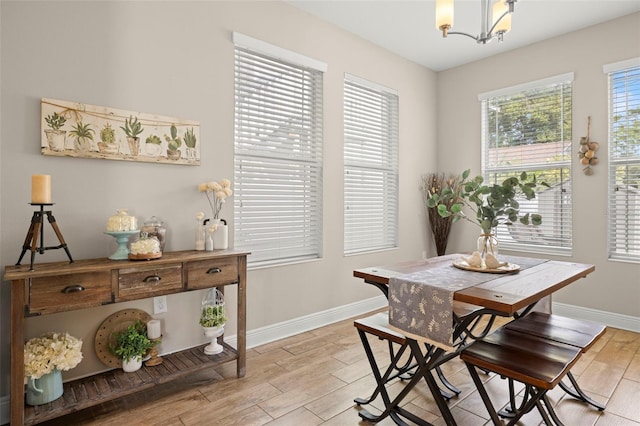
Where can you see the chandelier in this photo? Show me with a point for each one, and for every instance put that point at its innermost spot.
(496, 19)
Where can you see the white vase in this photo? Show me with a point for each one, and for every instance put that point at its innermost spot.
(221, 236)
(213, 332)
(131, 365)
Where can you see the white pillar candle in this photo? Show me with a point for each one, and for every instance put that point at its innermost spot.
(41, 189)
(153, 329)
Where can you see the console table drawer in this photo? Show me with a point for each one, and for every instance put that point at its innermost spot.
(210, 273)
(69, 292)
(148, 281)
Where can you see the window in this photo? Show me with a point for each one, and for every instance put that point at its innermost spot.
(278, 153)
(624, 160)
(528, 128)
(370, 166)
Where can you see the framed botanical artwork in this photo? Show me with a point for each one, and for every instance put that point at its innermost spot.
(74, 129)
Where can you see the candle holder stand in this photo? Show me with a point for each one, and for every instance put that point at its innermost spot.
(155, 359)
(37, 230)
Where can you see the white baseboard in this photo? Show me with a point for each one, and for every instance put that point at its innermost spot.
(624, 322)
(271, 333)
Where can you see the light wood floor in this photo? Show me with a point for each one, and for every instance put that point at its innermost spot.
(312, 378)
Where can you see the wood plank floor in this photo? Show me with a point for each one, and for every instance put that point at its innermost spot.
(313, 377)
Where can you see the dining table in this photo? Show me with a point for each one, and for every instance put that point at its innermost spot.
(412, 286)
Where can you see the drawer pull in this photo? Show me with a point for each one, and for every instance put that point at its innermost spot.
(73, 289)
(214, 270)
(153, 278)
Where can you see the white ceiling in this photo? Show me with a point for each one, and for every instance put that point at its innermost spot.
(408, 27)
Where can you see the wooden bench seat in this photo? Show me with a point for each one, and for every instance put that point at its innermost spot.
(579, 333)
(537, 362)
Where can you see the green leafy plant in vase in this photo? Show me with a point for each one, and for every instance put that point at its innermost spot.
(83, 134)
(107, 142)
(492, 205)
(55, 135)
(174, 142)
(131, 344)
(132, 128)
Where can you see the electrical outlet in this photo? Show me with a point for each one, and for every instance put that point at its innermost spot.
(159, 304)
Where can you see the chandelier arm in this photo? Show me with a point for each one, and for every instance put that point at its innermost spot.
(490, 33)
(464, 34)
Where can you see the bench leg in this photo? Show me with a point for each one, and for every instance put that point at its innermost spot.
(380, 380)
(578, 393)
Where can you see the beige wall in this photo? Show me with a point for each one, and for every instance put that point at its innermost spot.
(176, 59)
(615, 286)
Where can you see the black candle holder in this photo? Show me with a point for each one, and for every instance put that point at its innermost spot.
(37, 230)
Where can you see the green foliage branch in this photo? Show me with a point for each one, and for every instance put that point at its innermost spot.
(491, 204)
(132, 342)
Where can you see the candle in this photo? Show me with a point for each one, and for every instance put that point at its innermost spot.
(41, 189)
(153, 329)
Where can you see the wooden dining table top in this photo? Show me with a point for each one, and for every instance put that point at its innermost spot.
(504, 293)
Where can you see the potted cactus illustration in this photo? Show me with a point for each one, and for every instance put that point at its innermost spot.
(174, 143)
(55, 135)
(152, 146)
(107, 142)
(83, 134)
(132, 128)
(190, 142)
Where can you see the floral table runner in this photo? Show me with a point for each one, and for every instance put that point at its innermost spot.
(421, 303)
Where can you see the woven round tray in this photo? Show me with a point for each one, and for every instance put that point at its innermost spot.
(116, 322)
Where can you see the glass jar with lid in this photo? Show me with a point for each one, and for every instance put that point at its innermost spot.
(154, 228)
(122, 222)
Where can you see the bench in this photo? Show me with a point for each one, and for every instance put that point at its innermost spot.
(537, 362)
(579, 333)
(378, 325)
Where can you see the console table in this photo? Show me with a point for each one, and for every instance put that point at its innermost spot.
(63, 286)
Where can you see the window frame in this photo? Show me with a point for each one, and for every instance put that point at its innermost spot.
(278, 147)
(371, 166)
(628, 72)
(531, 238)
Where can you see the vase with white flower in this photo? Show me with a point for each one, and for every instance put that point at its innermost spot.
(217, 193)
(45, 357)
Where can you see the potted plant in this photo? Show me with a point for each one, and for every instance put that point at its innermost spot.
(434, 184)
(83, 134)
(55, 136)
(213, 319)
(190, 142)
(107, 140)
(174, 143)
(132, 128)
(131, 344)
(152, 145)
(491, 205)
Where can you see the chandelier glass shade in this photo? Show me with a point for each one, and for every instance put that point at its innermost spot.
(495, 19)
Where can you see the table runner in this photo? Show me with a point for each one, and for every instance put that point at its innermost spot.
(421, 303)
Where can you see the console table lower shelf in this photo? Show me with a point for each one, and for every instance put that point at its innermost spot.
(113, 384)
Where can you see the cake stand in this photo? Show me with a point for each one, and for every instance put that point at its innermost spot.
(122, 238)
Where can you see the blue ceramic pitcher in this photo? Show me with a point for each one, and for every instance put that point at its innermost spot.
(45, 389)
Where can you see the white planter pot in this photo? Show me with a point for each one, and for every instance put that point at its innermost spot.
(213, 332)
(134, 364)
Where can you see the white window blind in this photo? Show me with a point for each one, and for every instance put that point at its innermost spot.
(528, 128)
(278, 157)
(370, 166)
(624, 160)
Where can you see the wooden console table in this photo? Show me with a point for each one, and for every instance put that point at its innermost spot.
(63, 286)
